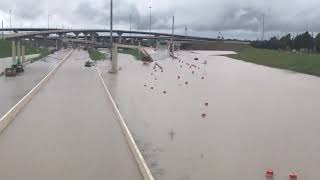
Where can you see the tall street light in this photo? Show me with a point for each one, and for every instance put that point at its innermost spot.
(130, 24)
(111, 21)
(10, 12)
(150, 7)
(49, 15)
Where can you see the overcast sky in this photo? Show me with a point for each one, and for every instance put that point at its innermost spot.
(233, 18)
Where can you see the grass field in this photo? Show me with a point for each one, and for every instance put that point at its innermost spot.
(96, 55)
(5, 49)
(299, 62)
(133, 52)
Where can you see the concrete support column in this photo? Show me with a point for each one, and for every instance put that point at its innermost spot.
(23, 53)
(19, 52)
(119, 38)
(13, 52)
(77, 35)
(92, 36)
(139, 47)
(114, 59)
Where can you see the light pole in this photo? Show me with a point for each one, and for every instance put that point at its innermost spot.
(150, 7)
(130, 23)
(2, 29)
(49, 21)
(172, 43)
(111, 22)
(10, 12)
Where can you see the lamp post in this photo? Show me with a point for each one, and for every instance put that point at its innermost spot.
(111, 22)
(10, 12)
(49, 20)
(130, 24)
(150, 7)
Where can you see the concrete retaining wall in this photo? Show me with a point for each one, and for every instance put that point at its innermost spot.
(133, 146)
(10, 115)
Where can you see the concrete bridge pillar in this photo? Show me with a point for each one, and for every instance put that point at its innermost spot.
(19, 52)
(114, 59)
(85, 35)
(77, 35)
(23, 54)
(139, 47)
(119, 37)
(13, 52)
(92, 36)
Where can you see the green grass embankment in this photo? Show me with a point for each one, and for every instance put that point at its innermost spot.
(295, 61)
(6, 49)
(133, 52)
(96, 55)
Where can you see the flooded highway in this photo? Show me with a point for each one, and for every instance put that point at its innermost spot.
(68, 131)
(12, 89)
(219, 118)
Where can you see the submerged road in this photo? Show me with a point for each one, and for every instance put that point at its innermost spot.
(256, 117)
(68, 131)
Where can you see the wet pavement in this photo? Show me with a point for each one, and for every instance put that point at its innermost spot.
(12, 89)
(220, 119)
(68, 131)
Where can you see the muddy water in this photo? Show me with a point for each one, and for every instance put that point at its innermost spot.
(257, 117)
(12, 89)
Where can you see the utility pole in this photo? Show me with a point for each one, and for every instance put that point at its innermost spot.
(262, 37)
(150, 7)
(186, 29)
(2, 29)
(130, 23)
(49, 20)
(10, 12)
(172, 43)
(111, 22)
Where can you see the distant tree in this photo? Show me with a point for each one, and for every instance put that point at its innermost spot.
(286, 42)
(304, 41)
(317, 42)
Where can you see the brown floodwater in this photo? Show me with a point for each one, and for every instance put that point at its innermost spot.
(224, 119)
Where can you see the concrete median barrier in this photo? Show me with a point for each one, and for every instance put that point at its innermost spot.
(133, 146)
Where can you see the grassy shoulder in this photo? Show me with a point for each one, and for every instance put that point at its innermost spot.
(6, 49)
(96, 55)
(299, 62)
(133, 52)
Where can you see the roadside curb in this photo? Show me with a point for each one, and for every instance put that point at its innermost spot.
(133, 146)
(12, 113)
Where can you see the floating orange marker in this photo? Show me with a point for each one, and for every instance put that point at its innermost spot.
(269, 173)
(293, 176)
(204, 115)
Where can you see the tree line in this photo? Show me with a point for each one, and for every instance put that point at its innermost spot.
(302, 42)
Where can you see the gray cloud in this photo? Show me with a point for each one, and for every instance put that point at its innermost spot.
(200, 16)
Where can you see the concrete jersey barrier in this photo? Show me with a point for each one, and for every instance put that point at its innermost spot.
(132, 144)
